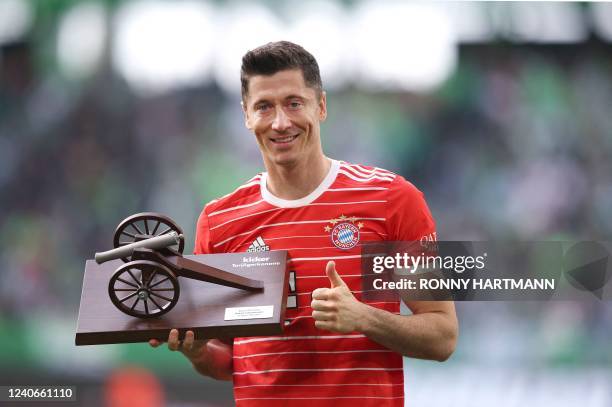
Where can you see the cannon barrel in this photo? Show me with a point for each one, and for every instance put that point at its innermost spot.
(157, 242)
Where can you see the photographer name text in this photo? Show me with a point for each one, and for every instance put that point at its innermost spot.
(465, 284)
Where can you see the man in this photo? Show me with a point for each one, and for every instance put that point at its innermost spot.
(335, 349)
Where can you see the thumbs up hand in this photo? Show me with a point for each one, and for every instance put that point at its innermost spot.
(334, 277)
(335, 308)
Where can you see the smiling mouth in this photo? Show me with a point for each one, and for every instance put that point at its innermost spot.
(284, 139)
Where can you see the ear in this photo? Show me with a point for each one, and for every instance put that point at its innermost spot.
(247, 119)
(323, 106)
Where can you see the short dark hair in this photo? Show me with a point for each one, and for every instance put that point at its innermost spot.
(278, 56)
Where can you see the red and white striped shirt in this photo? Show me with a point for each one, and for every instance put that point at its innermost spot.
(354, 204)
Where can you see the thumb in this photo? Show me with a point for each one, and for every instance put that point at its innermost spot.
(332, 274)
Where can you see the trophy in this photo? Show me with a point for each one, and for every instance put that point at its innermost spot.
(129, 291)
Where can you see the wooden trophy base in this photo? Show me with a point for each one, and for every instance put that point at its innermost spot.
(210, 310)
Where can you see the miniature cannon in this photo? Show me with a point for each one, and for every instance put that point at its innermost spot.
(146, 286)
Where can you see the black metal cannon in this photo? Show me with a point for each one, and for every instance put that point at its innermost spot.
(147, 286)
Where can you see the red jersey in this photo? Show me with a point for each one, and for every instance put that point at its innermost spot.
(353, 205)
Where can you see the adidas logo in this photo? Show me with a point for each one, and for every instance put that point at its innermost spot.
(258, 245)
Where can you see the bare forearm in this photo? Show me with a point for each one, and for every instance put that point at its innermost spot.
(430, 335)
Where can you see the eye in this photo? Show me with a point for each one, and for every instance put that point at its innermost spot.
(262, 107)
(295, 104)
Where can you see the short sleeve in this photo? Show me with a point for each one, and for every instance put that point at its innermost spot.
(408, 217)
(202, 239)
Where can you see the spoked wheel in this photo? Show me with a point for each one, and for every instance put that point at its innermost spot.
(143, 226)
(144, 289)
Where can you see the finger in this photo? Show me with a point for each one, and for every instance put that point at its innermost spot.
(155, 342)
(323, 316)
(320, 294)
(319, 305)
(173, 341)
(188, 342)
(332, 274)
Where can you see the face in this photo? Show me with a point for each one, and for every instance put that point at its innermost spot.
(285, 116)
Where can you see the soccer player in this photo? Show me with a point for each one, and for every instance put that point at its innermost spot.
(335, 349)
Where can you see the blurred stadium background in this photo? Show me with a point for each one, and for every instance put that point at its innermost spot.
(499, 112)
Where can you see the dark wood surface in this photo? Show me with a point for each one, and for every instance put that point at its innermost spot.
(201, 306)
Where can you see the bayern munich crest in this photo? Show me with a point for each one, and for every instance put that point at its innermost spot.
(344, 232)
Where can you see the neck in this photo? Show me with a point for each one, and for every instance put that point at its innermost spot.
(297, 180)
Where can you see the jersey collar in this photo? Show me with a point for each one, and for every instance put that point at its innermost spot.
(295, 203)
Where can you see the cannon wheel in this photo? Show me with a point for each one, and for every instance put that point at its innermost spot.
(144, 289)
(146, 225)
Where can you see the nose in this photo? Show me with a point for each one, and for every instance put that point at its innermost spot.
(281, 121)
